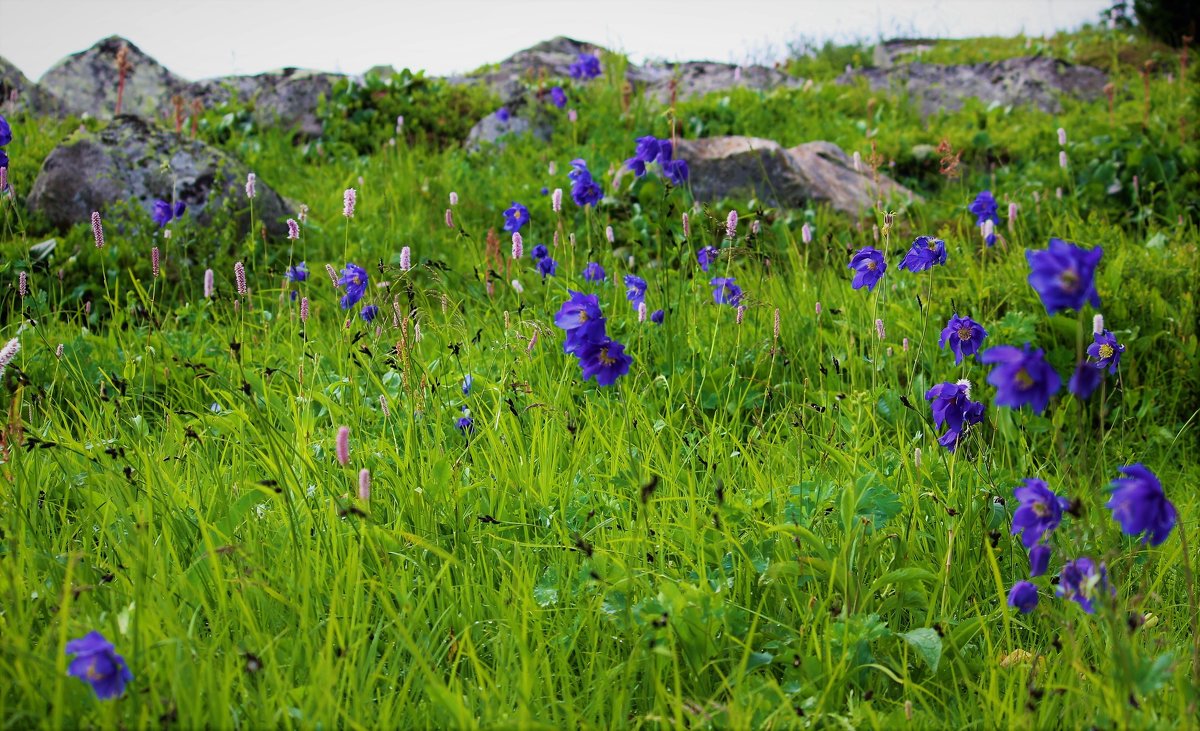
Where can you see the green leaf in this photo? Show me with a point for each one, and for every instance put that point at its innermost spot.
(903, 576)
(928, 645)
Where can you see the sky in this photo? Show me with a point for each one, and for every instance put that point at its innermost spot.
(206, 38)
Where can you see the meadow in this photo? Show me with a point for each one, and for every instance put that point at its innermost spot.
(285, 512)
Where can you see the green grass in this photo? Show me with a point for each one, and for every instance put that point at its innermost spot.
(738, 534)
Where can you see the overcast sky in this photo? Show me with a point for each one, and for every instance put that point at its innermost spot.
(198, 39)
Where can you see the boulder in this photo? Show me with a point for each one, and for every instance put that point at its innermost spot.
(547, 60)
(696, 78)
(124, 162)
(886, 54)
(18, 93)
(288, 97)
(86, 82)
(1028, 80)
(814, 172)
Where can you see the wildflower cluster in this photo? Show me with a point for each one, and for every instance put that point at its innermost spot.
(651, 150)
(599, 356)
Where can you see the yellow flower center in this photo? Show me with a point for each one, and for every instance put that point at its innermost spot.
(91, 672)
(871, 265)
(583, 316)
(964, 333)
(1040, 509)
(1069, 280)
(1106, 351)
(605, 359)
(1024, 380)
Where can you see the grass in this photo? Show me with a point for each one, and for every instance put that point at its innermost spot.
(739, 533)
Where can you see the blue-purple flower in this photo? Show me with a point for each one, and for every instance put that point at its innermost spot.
(985, 209)
(584, 190)
(726, 291)
(164, 213)
(1084, 380)
(963, 335)
(706, 256)
(869, 265)
(604, 360)
(97, 663)
(925, 253)
(593, 272)
(1139, 504)
(298, 273)
(580, 316)
(547, 267)
(1023, 596)
(675, 171)
(952, 407)
(1039, 559)
(354, 281)
(1040, 512)
(466, 384)
(657, 317)
(1106, 351)
(503, 114)
(369, 313)
(1021, 376)
(539, 252)
(1064, 275)
(1081, 581)
(465, 424)
(6, 136)
(515, 217)
(635, 289)
(586, 66)
(558, 97)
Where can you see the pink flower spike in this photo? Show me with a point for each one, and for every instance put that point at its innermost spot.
(343, 445)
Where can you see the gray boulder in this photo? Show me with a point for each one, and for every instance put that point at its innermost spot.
(696, 78)
(86, 82)
(288, 97)
(1038, 81)
(547, 60)
(491, 131)
(886, 54)
(816, 172)
(124, 162)
(18, 93)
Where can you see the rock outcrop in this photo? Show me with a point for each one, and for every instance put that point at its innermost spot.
(86, 82)
(132, 161)
(288, 97)
(18, 93)
(816, 172)
(696, 78)
(1038, 81)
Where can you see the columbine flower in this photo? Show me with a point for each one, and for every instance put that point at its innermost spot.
(593, 272)
(547, 267)
(985, 209)
(97, 663)
(298, 273)
(6, 135)
(1106, 351)
(1039, 559)
(604, 360)
(349, 199)
(1021, 376)
(539, 252)
(635, 289)
(586, 66)
(164, 213)
(503, 114)
(870, 265)
(926, 251)
(1064, 275)
(354, 279)
(580, 316)
(466, 425)
(369, 312)
(676, 172)
(1082, 582)
(963, 335)
(706, 256)
(952, 406)
(584, 190)
(726, 292)
(1085, 380)
(515, 217)
(1140, 506)
(1024, 597)
(1040, 511)
(558, 97)
(657, 317)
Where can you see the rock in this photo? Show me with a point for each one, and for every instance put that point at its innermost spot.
(1038, 81)
(817, 172)
(92, 171)
(696, 78)
(547, 60)
(885, 54)
(86, 82)
(490, 130)
(18, 93)
(288, 97)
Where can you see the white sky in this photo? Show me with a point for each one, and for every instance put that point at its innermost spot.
(198, 39)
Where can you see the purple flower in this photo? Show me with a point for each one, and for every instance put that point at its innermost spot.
(963, 335)
(952, 406)
(925, 252)
(635, 289)
(354, 280)
(164, 213)
(1081, 581)
(503, 114)
(515, 217)
(657, 317)
(97, 663)
(1021, 376)
(558, 97)
(298, 273)
(466, 384)
(1039, 559)
(648, 149)
(1140, 506)
(1064, 275)
(706, 256)
(870, 265)
(580, 316)
(584, 190)
(1040, 511)
(1106, 350)
(539, 252)
(676, 172)
(1085, 380)
(547, 267)
(726, 292)
(604, 360)
(1024, 596)
(586, 66)
(6, 134)
(593, 272)
(985, 209)
(369, 312)
(466, 425)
